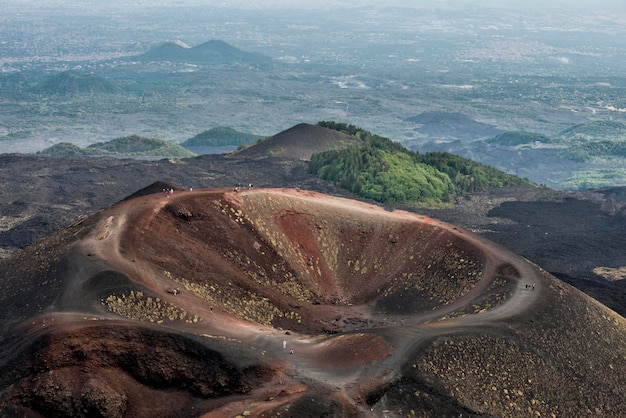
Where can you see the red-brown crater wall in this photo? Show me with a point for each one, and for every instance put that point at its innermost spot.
(292, 250)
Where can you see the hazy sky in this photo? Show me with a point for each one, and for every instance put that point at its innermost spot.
(615, 5)
(535, 4)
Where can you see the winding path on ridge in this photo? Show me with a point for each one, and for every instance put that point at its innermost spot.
(312, 360)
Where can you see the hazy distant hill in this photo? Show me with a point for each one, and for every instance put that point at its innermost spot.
(598, 142)
(67, 149)
(72, 82)
(519, 138)
(133, 145)
(220, 136)
(452, 125)
(211, 52)
(595, 130)
(169, 51)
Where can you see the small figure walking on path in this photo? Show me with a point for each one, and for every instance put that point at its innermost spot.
(284, 343)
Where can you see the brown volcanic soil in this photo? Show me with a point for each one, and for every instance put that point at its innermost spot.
(388, 314)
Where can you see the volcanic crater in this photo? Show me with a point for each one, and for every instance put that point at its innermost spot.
(265, 302)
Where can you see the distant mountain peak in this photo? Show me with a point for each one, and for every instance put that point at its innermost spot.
(211, 52)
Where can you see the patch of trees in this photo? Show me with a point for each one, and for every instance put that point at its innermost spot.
(385, 171)
(348, 129)
(469, 176)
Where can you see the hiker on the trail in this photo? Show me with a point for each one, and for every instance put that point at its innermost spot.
(284, 343)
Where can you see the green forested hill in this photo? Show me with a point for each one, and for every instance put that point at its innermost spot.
(66, 149)
(383, 170)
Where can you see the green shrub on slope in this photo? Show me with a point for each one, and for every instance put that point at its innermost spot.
(469, 176)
